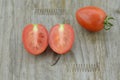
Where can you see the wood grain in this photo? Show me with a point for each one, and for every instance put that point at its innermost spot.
(94, 56)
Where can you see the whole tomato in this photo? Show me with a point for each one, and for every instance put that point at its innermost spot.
(93, 18)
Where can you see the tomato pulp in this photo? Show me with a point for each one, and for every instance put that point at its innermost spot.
(61, 38)
(35, 38)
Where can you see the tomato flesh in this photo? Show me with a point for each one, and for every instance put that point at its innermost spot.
(61, 38)
(35, 38)
(91, 18)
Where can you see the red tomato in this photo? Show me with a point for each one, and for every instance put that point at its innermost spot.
(91, 18)
(61, 38)
(35, 38)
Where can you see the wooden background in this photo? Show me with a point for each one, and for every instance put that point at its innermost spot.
(94, 56)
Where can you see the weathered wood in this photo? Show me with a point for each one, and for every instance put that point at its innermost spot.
(94, 56)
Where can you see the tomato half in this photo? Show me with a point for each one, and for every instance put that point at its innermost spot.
(35, 38)
(61, 38)
(91, 18)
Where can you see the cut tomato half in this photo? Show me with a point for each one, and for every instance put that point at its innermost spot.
(61, 38)
(35, 38)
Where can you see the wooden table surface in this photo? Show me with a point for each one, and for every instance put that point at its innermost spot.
(94, 56)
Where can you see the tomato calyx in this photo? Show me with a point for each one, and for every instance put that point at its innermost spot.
(107, 24)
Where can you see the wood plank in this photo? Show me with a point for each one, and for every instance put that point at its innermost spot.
(94, 55)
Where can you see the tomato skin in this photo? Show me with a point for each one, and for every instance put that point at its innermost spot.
(68, 42)
(91, 18)
(26, 39)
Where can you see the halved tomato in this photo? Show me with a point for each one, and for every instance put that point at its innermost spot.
(61, 38)
(35, 38)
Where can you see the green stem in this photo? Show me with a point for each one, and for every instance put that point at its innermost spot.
(107, 24)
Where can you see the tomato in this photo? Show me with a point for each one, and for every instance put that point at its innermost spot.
(35, 38)
(61, 38)
(93, 18)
